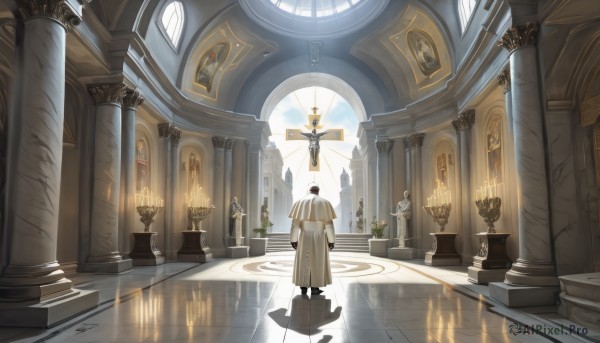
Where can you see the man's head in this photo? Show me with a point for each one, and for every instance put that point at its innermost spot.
(407, 194)
(314, 189)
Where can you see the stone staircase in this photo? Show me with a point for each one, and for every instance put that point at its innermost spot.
(580, 299)
(344, 242)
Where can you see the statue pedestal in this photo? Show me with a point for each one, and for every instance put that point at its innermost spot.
(145, 252)
(237, 252)
(258, 246)
(405, 253)
(194, 247)
(378, 247)
(443, 252)
(235, 241)
(491, 262)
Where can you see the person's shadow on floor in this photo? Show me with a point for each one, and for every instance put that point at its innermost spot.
(307, 315)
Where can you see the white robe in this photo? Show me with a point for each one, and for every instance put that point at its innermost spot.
(312, 227)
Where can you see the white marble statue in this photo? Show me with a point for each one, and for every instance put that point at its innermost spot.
(403, 214)
(237, 213)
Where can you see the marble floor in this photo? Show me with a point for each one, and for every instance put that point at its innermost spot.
(252, 300)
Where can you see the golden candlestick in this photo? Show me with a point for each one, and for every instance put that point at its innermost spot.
(147, 206)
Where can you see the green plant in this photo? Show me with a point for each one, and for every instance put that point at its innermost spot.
(377, 227)
(262, 231)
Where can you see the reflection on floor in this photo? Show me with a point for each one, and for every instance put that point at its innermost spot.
(253, 300)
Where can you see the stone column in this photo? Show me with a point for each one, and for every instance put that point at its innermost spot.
(175, 197)
(227, 174)
(254, 149)
(408, 165)
(129, 214)
(384, 185)
(170, 137)
(104, 237)
(463, 124)
(504, 80)
(218, 232)
(415, 142)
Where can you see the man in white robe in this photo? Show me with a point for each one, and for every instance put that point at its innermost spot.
(312, 235)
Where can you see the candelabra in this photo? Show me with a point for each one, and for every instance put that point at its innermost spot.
(439, 214)
(198, 214)
(147, 206)
(488, 204)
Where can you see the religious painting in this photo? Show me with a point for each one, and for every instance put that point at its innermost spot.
(494, 150)
(210, 62)
(424, 51)
(442, 169)
(142, 165)
(193, 171)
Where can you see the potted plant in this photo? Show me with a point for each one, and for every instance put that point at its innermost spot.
(377, 227)
(261, 232)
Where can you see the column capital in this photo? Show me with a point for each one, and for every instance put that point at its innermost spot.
(384, 146)
(168, 131)
(132, 99)
(108, 94)
(464, 121)
(504, 79)
(175, 135)
(228, 144)
(415, 140)
(218, 142)
(57, 10)
(519, 36)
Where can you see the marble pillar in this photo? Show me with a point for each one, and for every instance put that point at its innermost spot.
(254, 149)
(104, 253)
(384, 184)
(129, 214)
(415, 143)
(220, 227)
(176, 203)
(31, 278)
(463, 124)
(170, 136)
(228, 174)
(534, 269)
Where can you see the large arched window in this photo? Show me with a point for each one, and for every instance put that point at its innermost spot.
(465, 10)
(172, 21)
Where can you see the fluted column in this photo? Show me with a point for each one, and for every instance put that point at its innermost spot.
(104, 237)
(228, 175)
(534, 266)
(175, 204)
(384, 185)
(35, 157)
(217, 233)
(131, 101)
(415, 143)
(463, 124)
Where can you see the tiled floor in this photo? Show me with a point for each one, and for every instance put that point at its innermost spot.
(252, 300)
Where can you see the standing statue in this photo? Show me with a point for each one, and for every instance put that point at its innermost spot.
(264, 214)
(313, 145)
(360, 223)
(237, 213)
(403, 214)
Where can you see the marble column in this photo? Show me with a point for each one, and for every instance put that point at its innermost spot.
(218, 232)
(170, 136)
(254, 149)
(31, 278)
(415, 143)
(129, 215)
(463, 124)
(535, 266)
(370, 200)
(504, 80)
(408, 164)
(228, 175)
(104, 237)
(384, 185)
(175, 204)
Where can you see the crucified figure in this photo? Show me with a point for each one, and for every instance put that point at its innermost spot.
(313, 145)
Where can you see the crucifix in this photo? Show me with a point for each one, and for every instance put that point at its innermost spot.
(314, 137)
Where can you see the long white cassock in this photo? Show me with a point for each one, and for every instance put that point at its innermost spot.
(312, 227)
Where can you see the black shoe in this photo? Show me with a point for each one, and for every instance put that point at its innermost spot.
(304, 290)
(315, 291)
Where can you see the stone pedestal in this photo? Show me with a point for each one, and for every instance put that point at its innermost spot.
(491, 262)
(258, 246)
(145, 252)
(443, 252)
(194, 247)
(237, 252)
(523, 296)
(378, 247)
(402, 253)
(580, 299)
(235, 241)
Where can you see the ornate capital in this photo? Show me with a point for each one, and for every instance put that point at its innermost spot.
(464, 121)
(175, 135)
(108, 94)
(132, 99)
(168, 131)
(228, 144)
(53, 9)
(519, 36)
(415, 140)
(218, 142)
(504, 79)
(384, 146)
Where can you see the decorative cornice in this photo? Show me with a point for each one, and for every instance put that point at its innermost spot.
(504, 79)
(218, 142)
(54, 9)
(132, 99)
(384, 146)
(415, 140)
(519, 36)
(108, 94)
(228, 145)
(464, 121)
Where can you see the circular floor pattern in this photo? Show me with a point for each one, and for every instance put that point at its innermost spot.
(341, 265)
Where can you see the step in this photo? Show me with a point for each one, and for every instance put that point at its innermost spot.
(343, 242)
(580, 299)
